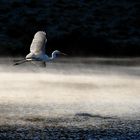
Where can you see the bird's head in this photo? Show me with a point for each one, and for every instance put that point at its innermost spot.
(56, 52)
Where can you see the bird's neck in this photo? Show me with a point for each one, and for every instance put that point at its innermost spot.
(53, 55)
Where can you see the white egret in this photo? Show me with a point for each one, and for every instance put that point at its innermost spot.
(37, 50)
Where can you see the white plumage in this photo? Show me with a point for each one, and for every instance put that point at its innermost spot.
(37, 50)
(38, 43)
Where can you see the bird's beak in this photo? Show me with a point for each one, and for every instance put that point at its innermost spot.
(63, 53)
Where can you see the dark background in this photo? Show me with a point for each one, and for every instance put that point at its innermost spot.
(76, 27)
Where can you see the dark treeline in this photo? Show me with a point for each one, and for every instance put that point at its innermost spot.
(93, 27)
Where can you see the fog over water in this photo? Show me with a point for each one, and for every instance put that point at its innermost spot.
(67, 87)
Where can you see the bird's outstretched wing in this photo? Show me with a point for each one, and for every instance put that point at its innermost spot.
(38, 44)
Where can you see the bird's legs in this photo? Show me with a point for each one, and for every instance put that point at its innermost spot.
(32, 60)
(21, 62)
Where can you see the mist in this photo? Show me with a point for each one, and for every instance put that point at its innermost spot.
(69, 86)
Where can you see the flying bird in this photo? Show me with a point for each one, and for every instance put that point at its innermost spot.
(37, 50)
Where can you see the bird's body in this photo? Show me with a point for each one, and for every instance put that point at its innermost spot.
(37, 50)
